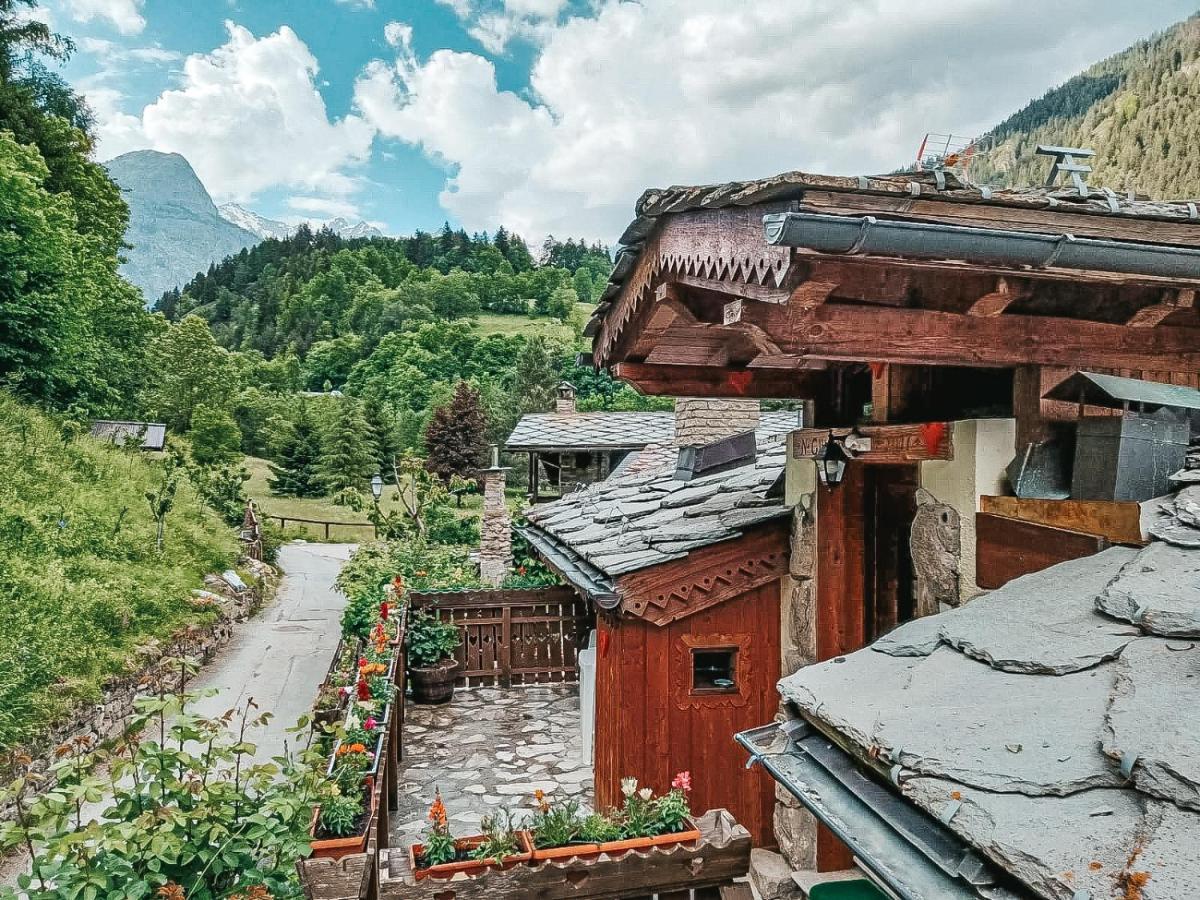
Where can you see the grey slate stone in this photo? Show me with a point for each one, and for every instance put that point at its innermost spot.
(1150, 719)
(1048, 843)
(1158, 590)
(920, 637)
(1044, 622)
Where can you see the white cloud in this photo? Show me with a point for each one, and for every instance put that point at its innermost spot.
(357, 4)
(495, 23)
(328, 207)
(248, 116)
(117, 131)
(694, 91)
(399, 35)
(124, 15)
(110, 52)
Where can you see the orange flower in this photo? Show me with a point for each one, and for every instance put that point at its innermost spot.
(171, 891)
(540, 796)
(437, 812)
(351, 748)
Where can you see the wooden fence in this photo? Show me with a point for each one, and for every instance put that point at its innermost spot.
(324, 523)
(514, 636)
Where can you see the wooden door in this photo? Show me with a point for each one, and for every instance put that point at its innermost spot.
(891, 499)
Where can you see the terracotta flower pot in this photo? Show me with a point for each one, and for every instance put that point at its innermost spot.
(570, 851)
(433, 685)
(469, 867)
(336, 848)
(690, 833)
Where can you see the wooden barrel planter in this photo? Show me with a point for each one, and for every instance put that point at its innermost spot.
(434, 685)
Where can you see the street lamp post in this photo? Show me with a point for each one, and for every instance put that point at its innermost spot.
(377, 493)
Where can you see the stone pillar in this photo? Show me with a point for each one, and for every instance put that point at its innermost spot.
(495, 529)
(795, 827)
(700, 422)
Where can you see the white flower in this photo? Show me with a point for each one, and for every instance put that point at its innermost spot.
(628, 786)
(645, 793)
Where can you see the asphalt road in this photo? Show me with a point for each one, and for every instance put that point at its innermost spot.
(279, 657)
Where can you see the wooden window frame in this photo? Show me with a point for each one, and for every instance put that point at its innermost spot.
(683, 687)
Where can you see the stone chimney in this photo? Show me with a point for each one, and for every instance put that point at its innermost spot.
(495, 529)
(564, 405)
(700, 422)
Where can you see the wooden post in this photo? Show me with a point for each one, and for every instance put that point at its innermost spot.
(1027, 406)
(506, 646)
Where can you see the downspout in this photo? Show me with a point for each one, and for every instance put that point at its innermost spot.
(869, 236)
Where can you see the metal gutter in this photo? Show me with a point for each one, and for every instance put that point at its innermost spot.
(907, 852)
(586, 578)
(869, 236)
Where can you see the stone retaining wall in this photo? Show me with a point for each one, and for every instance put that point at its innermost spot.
(106, 720)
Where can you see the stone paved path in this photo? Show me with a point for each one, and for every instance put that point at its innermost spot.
(490, 747)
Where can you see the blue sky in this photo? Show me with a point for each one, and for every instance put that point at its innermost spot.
(551, 116)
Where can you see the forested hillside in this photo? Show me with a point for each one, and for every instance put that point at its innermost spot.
(1137, 110)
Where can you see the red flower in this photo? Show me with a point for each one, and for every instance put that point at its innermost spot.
(364, 689)
(383, 610)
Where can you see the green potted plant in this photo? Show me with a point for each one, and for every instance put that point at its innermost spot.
(442, 856)
(649, 821)
(339, 824)
(431, 665)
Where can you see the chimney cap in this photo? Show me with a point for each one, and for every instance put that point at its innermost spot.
(566, 390)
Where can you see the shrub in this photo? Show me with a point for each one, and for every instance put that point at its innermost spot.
(340, 814)
(429, 640)
(188, 812)
(422, 566)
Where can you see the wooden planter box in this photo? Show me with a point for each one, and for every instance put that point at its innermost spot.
(468, 867)
(689, 835)
(720, 855)
(336, 848)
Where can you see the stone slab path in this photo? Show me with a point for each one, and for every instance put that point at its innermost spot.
(490, 747)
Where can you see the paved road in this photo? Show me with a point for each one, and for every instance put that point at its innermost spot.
(280, 656)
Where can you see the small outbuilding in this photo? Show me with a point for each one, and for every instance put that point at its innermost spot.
(682, 551)
(568, 448)
(152, 435)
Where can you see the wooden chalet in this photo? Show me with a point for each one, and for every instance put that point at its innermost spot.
(925, 319)
(682, 551)
(567, 448)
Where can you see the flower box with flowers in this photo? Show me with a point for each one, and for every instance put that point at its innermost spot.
(561, 831)
(501, 846)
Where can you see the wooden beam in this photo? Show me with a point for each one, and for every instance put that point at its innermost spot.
(1009, 548)
(717, 381)
(1154, 315)
(668, 309)
(929, 337)
(1119, 522)
(997, 301)
(757, 292)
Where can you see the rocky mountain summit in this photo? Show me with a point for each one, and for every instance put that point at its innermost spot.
(175, 229)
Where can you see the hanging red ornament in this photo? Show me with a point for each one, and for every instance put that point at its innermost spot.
(933, 433)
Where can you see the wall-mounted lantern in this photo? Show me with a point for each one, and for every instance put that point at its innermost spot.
(831, 463)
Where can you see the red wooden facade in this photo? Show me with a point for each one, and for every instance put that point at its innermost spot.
(652, 722)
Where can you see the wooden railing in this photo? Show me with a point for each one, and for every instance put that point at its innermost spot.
(514, 636)
(325, 523)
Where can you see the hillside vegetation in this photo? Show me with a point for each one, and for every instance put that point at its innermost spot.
(81, 583)
(1137, 110)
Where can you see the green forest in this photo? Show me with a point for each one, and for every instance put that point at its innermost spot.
(1135, 109)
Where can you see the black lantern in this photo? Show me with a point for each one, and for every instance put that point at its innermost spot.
(831, 463)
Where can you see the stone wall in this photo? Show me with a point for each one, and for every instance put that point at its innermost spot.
(152, 669)
(700, 422)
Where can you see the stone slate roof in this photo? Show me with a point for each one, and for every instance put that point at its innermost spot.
(657, 202)
(154, 434)
(1051, 724)
(642, 516)
(591, 431)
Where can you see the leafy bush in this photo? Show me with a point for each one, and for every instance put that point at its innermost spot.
(447, 528)
(361, 613)
(340, 814)
(422, 566)
(189, 814)
(499, 837)
(81, 585)
(429, 640)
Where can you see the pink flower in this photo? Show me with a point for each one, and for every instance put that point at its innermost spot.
(683, 782)
(370, 724)
(344, 691)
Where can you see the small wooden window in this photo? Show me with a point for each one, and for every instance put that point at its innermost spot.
(714, 670)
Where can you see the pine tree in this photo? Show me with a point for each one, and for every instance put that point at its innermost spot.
(296, 473)
(456, 437)
(381, 426)
(348, 457)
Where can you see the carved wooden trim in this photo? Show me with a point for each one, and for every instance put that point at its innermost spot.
(705, 578)
(681, 671)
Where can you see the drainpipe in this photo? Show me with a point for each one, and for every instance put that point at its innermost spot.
(868, 236)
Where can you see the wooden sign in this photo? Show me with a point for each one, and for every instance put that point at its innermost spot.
(880, 444)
